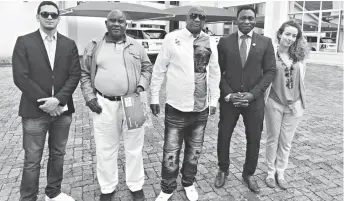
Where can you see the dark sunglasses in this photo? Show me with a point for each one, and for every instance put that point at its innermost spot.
(120, 21)
(45, 15)
(194, 16)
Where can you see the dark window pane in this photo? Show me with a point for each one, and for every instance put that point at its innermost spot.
(312, 5)
(297, 18)
(332, 5)
(310, 22)
(295, 6)
(154, 34)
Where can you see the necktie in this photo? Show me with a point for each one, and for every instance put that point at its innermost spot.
(243, 49)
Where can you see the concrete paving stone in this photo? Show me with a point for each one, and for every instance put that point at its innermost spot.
(315, 169)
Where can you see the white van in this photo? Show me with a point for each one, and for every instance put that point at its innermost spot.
(150, 38)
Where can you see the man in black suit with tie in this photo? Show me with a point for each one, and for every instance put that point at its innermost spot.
(248, 67)
(46, 69)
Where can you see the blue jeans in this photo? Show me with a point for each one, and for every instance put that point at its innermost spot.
(182, 126)
(34, 133)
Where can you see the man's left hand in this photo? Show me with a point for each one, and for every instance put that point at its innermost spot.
(50, 104)
(212, 110)
(247, 96)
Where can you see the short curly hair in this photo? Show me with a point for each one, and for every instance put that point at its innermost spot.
(299, 50)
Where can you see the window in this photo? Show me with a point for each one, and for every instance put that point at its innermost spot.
(322, 23)
(154, 34)
(174, 3)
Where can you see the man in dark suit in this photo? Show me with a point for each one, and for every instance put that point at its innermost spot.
(46, 69)
(248, 66)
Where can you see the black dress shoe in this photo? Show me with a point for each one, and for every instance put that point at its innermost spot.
(220, 179)
(138, 195)
(107, 196)
(252, 184)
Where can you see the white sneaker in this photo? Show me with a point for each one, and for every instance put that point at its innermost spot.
(163, 196)
(191, 193)
(60, 197)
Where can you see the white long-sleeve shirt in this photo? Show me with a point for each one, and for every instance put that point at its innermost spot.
(176, 62)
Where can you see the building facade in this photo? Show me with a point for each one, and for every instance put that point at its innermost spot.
(321, 21)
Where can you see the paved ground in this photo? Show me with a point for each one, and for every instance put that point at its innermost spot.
(315, 169)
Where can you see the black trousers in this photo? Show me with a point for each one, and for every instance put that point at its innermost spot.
(253, 121)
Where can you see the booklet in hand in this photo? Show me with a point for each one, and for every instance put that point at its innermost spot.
(136, 110)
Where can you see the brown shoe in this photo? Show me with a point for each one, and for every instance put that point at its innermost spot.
(252, 183)
(270, 182)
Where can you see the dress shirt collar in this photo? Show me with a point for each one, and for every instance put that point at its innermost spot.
(109, 40)
(44, 35)
(187, 33)
(249, 33)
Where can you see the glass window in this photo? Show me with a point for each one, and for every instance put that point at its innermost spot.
(260, 8)
(340, 34)
(297, 18)
(329, 5)
(310, 21)
(154, 34)
(295, 6)
(312, 5)
(320, 21)
(328, 31)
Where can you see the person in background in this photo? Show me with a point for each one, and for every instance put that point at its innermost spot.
(285, 100)
(248, 66)
(188, 59)
(46, 69)
(114, 65)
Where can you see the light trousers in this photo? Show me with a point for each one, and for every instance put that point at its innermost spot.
(108, 127)
(281, 125)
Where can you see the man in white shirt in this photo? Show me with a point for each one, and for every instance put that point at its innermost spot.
(189, 61)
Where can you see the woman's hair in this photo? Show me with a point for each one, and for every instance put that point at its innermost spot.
(299, 50)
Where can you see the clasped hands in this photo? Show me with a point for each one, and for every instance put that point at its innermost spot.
(240, 99)
(51, 106)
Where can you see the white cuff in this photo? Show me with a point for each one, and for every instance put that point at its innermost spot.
(155, 100)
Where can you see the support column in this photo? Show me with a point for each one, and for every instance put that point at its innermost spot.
(276, 12)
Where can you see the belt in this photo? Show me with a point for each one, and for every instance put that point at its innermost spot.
(111, 98)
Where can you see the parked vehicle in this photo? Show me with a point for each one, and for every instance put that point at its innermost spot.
(326, 43)
(150, 38)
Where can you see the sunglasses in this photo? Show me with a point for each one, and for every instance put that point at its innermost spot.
(193, 16)
(120, 21)
(45, 15)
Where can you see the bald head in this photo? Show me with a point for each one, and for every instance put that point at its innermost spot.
(116, 24)
(116, 13)
(195, 20)
(196, 10)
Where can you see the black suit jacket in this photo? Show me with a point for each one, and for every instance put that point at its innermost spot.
(257, 73)
(33, 75)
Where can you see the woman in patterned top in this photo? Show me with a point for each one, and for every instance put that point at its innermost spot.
(285, 100)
